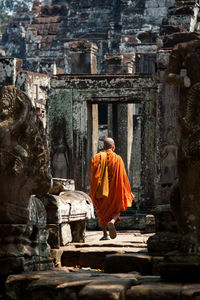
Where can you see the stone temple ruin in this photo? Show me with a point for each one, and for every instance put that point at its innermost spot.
(90, 69)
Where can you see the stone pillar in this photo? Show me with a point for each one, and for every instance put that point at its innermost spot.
(82, 57)
(125, 133)
(167, 131)
(118, 63)
(122, 118)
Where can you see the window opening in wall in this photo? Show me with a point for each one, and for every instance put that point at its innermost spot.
(102, 123)
(122, 122)
(103, 113)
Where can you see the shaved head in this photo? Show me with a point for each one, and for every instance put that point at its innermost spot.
(109, 144)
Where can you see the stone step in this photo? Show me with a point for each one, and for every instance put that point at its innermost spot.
(93, 257)
(82, 284)
(109, 244)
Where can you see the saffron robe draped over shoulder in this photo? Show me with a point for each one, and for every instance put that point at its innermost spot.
(119, 197)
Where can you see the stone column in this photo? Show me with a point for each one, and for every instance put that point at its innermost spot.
(167, 131)
(122, 132)
(82, 57)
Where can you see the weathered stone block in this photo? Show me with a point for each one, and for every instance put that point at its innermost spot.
(112, 289)
(54, 238)
(66, 234)
(154, 291)
(163, 242)
(162, 59)
(78, 231)
(123, 263)
(149, 224)
(56, 255)
(68, 184)
(9, 68)
(181, 37)
(190, 291)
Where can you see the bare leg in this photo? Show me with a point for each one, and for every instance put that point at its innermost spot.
(114, 219)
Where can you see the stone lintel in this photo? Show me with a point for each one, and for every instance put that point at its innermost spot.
(104, 81)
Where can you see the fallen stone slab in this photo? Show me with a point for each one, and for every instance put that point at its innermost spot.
(112, 289)
(62, 284)
(87, 284)
(190, 291)
(123, 263)
(155, 290)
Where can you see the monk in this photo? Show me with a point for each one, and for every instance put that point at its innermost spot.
(110, 188)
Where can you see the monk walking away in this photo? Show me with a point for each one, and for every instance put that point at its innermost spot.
(110, 188)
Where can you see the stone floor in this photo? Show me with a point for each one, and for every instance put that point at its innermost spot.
(93, 252)
(123, 270)
(123, 237)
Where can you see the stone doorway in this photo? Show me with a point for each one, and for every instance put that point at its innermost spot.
(130, 102)
(122, 122)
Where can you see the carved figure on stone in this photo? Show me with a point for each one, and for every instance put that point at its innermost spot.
(185, 200)
(169, 159)
(24, 156)
(60, 160)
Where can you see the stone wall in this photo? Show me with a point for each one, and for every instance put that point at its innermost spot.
(119, 25)
(178, 27)
(35, 85)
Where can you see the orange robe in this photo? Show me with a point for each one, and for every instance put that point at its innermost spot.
(119, 197)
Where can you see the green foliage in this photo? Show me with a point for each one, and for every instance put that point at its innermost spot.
(9, 8)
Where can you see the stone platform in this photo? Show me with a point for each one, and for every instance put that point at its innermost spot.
(87, 284)
(93, 252)
(115, 269)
